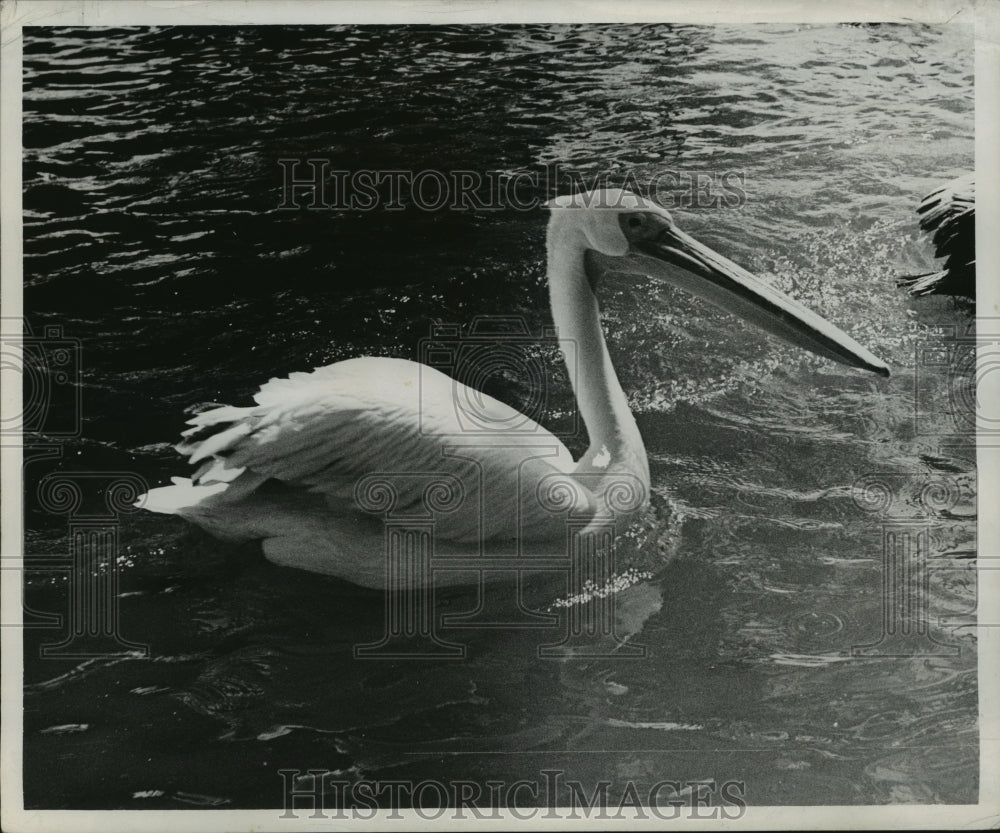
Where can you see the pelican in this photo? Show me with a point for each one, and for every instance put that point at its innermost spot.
(950, 213)
(286, 469)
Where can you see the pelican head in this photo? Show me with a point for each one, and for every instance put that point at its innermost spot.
(625, 233)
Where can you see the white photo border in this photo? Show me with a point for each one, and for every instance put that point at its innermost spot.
(983, 15)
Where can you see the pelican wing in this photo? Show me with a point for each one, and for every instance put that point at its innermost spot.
(949, 215)
(326, 430)
(949, 212)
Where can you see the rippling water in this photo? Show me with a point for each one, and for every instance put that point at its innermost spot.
(153, 235)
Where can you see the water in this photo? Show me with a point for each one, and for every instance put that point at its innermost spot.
(152, 235)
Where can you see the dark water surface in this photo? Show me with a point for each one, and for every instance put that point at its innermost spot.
(153, 235)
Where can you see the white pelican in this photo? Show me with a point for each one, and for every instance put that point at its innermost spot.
(949, 212)
(285, 470)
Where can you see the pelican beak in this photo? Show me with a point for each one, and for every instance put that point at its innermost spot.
(679, 259)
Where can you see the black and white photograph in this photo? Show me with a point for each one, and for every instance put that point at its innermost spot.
(443, 414)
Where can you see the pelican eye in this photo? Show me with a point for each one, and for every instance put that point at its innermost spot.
(635, 222)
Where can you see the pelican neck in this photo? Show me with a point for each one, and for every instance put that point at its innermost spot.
(599, 394)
